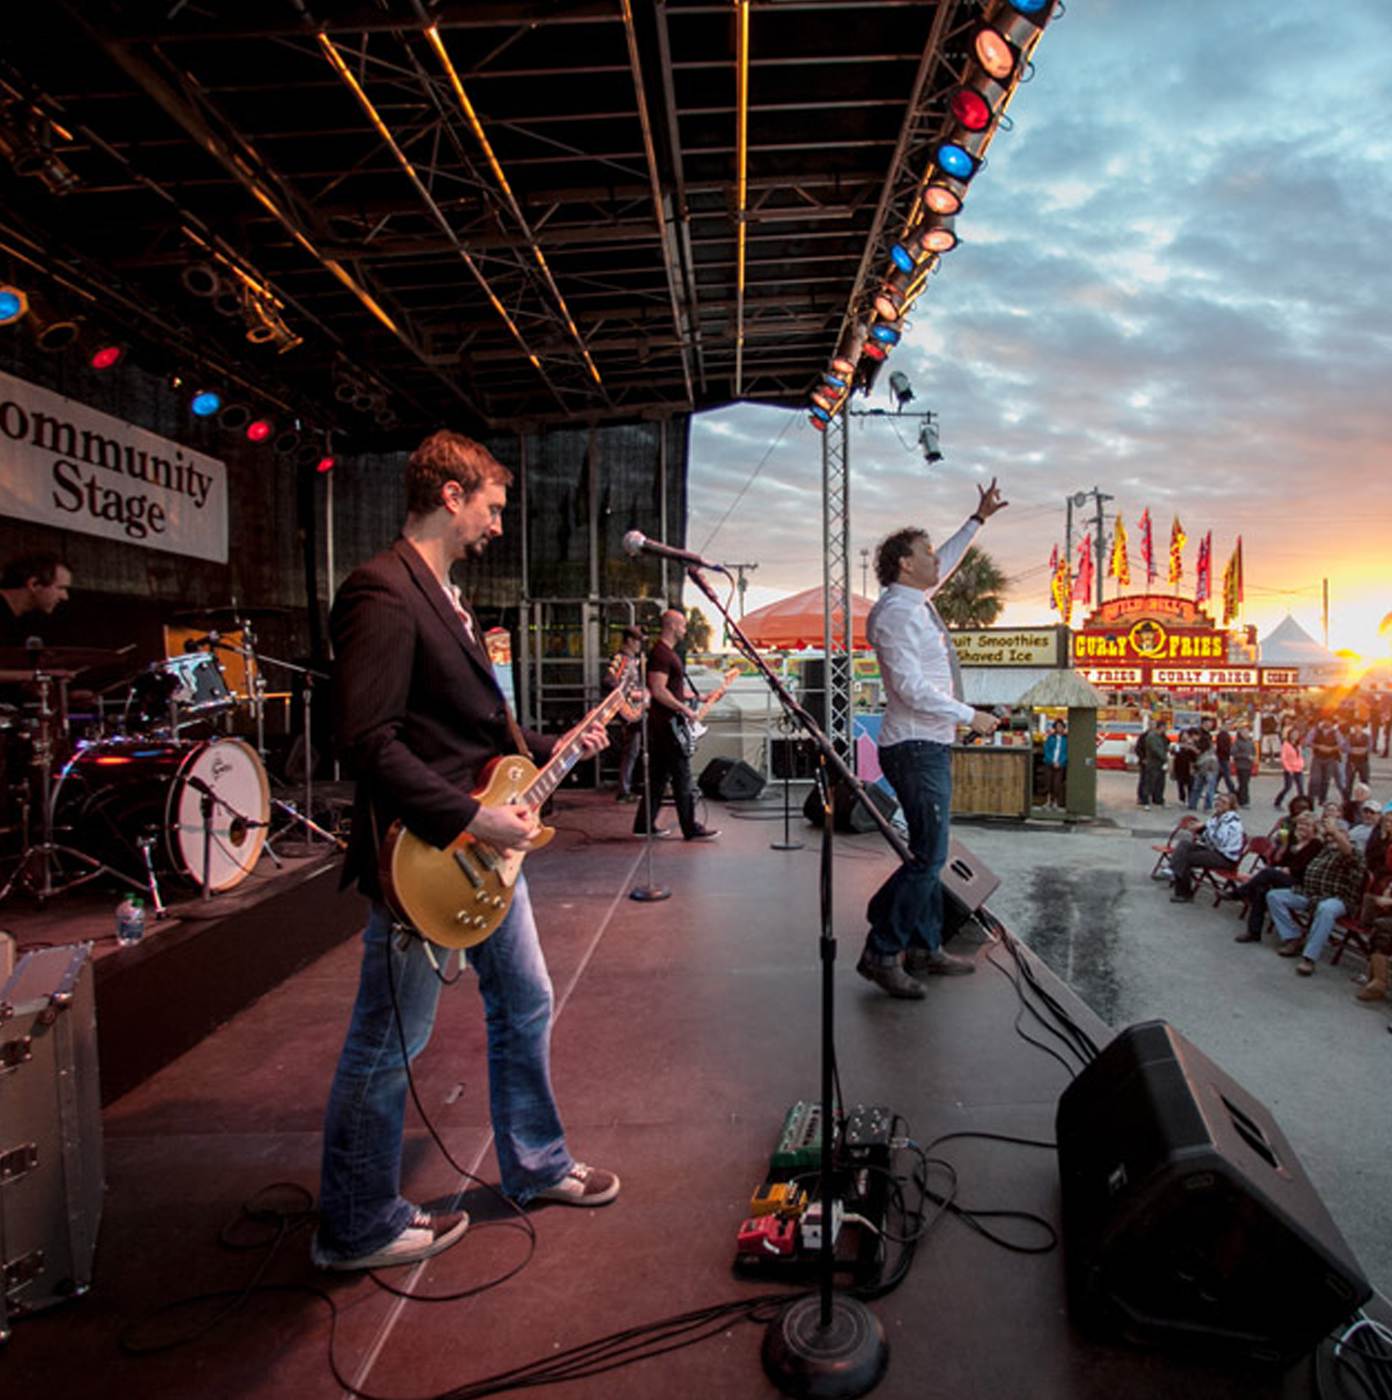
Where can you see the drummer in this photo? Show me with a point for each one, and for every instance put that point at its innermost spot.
(32, 586)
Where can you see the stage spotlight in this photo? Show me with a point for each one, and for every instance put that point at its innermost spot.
(900, 389)
(971, 108)
(259, 429)
(874, 351)
(824, 400)
(287, 440)
(106, 356)
(820, 415)
(54, 337)
(848, 351)
(201, 280)
(234, 417)
(999, 44)
(326, 464)
(937, 235)
(816, 422)
(833, 381)
(928, 440)
(941, 198)
(1037, 10)
(205, 403)
(885, 335)
(956, 161)
(14, 305)
(889, 300)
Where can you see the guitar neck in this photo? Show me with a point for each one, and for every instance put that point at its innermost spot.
(568, 754)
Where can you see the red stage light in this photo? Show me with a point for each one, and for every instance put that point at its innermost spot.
(971, 109)
(259, 429)
(106, 356)
(326, 464)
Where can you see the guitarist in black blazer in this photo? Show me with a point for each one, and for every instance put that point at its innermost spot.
(418, 713)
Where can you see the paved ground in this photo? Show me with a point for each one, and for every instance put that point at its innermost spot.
(1321, 1061)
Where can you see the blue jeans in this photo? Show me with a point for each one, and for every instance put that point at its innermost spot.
(907, 910)
(1202, 789)
(1280, 903)
(360, 1203)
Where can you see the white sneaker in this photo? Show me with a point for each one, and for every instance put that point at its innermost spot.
(425, 1235)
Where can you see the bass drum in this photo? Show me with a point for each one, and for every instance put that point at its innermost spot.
(112, 793)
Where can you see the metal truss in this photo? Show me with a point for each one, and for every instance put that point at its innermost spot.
(838, 626)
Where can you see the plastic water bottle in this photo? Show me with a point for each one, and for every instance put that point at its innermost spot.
(130, 920)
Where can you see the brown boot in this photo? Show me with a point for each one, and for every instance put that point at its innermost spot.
(1376, 986)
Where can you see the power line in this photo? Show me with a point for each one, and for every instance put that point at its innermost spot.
(720, 524)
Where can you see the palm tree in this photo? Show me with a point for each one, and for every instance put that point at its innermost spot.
(974, 595)
(698, 632)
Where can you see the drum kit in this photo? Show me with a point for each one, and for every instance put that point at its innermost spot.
(134, 782)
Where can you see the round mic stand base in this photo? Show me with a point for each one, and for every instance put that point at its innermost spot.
(847, 1357)
(649, 894)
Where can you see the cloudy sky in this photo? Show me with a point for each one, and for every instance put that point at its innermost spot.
(1175, 283)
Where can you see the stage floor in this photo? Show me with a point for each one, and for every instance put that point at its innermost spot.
(684, 1030)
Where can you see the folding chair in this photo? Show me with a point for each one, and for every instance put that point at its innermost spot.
(1163, 852)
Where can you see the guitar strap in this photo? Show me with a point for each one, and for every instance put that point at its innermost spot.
(519, 741)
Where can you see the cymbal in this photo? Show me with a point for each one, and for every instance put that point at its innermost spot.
(225, 612)
(56, 659)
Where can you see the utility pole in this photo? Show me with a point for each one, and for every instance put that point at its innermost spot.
(1325, 613)
(1079, 499)
(864, 573)
(740, 585)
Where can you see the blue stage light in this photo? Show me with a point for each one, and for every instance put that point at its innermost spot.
(1030, 7)
(902, 258)
(955, 161)
(13, 305)
(206, 403)
(820, 414)
(886, 335)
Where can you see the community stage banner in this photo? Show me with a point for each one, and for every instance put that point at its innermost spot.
(64, 464)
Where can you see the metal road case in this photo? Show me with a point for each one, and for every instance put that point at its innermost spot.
(50, 1131)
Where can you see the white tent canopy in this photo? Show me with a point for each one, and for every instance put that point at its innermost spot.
(1291, 645)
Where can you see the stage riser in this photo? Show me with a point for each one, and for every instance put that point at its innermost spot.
(160, 998)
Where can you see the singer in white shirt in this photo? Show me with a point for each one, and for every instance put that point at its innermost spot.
(923, 708)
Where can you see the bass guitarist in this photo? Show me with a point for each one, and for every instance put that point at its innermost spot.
(667, 759)
(418, 713)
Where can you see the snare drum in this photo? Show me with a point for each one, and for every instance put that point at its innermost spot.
(112, 793)
(193, 682)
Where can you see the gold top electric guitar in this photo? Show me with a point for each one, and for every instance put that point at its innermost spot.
(457, 896)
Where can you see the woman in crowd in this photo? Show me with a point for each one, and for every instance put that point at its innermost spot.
(1296, 847)
(1292, 765)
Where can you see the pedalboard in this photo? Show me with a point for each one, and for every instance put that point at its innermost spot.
(783, 1232)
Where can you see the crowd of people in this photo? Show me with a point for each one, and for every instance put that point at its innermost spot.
(1325, 865)
(1316, 752)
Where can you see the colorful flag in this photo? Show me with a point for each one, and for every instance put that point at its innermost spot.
(1203, 571)
(1062, 586)
(1119, 566)
(1082, 580)
(1178, 540)
(1147, 547)
(1232, 584)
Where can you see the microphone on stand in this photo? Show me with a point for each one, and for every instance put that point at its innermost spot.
(635, 542)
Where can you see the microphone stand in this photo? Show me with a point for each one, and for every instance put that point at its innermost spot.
(647, 893)
(208, 799)
(787, 843)
(829, 1345)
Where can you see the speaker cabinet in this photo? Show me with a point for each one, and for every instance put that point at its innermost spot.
(1187, 1219)
(730, 780)
(847, 814)
(794, 759)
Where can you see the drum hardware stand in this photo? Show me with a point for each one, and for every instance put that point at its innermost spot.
(35, 868)
(310, 675)
(295, 814)
(146, 844)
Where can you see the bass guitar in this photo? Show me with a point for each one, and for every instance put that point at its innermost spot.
(457, 896)
(689, 732)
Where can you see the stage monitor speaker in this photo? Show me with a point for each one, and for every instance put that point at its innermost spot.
(730, 780)
(795, 759)
(847, 814)
(1187, 1219)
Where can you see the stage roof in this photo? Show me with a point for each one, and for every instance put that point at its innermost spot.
(474, 212)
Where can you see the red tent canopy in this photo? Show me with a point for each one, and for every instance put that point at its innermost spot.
(798, 622)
